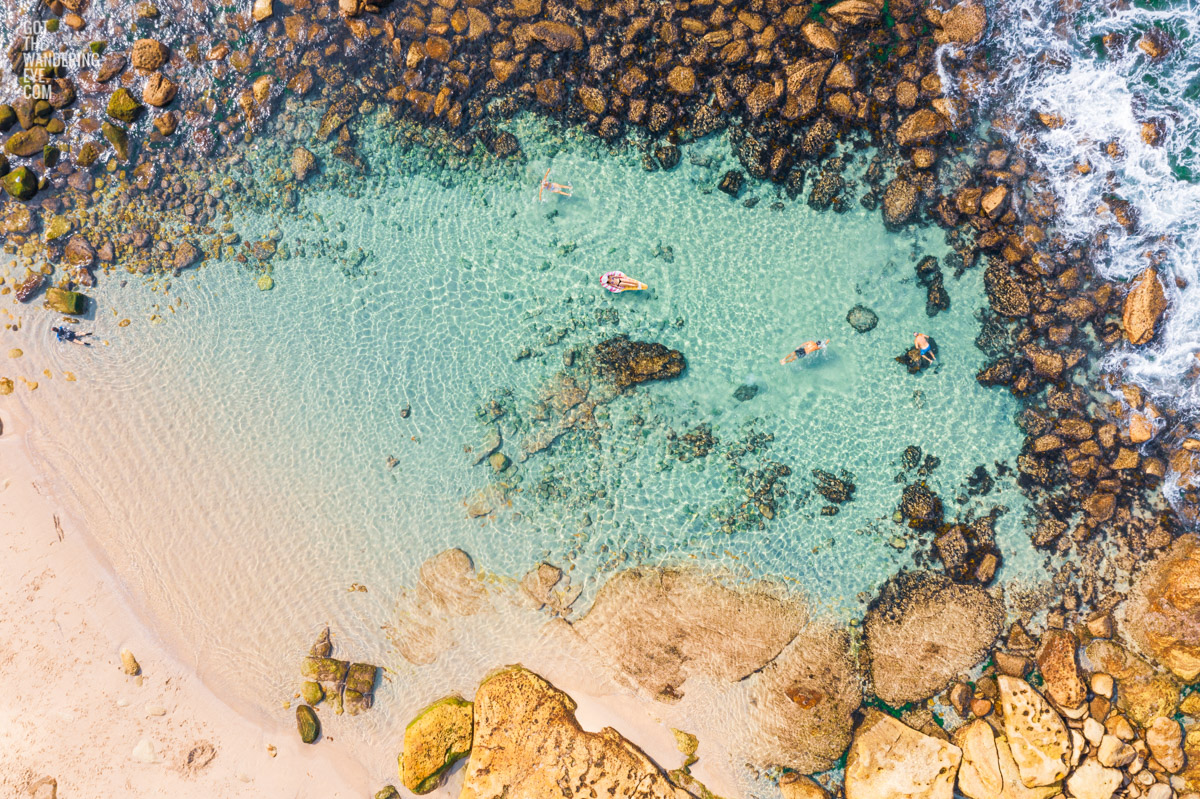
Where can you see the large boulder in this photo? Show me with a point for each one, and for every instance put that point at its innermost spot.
(556, 36)
(437, 738)
(527, 742)
(1040, 744)
(1162, 615)
(921, 127)
(963, 24)
(65, 302)
(890, 760)
(624, 363)
(27, 143)
(899, 202)
(805, 700)
(923, 630)
(1143, 692)
(1005, 295)
(661, 626)
(1144, 306)
(1060, 671)
(988, 770)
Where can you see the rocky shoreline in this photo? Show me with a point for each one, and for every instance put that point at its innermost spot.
(940, 688)
(802, 89)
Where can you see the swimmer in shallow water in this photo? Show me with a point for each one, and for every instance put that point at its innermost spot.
(807, 348)
(923, 347)
(563, 189)
(66, 336)
(616, 282)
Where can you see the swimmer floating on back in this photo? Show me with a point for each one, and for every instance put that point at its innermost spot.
(807, 348)
(555, 188)
(68, 336)
(616, 282)
(923, 346)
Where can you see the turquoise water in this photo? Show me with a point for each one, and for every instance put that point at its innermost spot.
(234, 459)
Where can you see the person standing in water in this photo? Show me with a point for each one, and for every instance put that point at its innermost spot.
(807, 348)
(923, 346)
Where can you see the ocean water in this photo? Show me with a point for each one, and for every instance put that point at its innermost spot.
(256, 464)
(1134, 120)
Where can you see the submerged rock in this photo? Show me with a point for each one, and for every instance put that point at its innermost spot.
(307, 724)
(312, 693)
(731, 182)
(437, 738)
(624, 363)
(527, 742)
(920, 506)
(890, 760)
(862, 318)
(923, 630)
(661, 626)
(746, 392)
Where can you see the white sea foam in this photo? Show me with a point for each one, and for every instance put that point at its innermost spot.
(1053, 63)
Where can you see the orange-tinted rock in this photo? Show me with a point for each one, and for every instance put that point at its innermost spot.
(1163, 615)
(557, 36)
(682, 80)
(963, 24)
(921, 127)
(1144, 306)
(148, 54)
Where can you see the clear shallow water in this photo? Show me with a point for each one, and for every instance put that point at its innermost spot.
(233, 461)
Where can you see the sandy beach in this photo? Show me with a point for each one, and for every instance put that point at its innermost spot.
(81, 720)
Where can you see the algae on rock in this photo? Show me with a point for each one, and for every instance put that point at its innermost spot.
(435, 740)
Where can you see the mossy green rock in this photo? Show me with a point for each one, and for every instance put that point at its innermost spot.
(8, 117)
(50, 155)
(307, 723)
(325, 669)
(118, 138)
(439, 736)
(387, 792)
(26, 143)
(87, 155)
(42, 111)
(21, 183)
(312, 692)
(59, 226)
(122, 106)
(65, 302)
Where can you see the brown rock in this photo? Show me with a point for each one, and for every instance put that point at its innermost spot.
(889, 760)
(110, 67)
(899, 202)
(479, 24)
(520, 719)
(820, 38)
(994, 201)
(854, 12)
(1056, 661)
(1163, 612)
(159, 90)
(592, 99)
(660, 626)
(557, 36)
(551, 93)
(804, 81)
(681, 79)
(921, 127)
(963, 24)
(303, 163)
(923, 630)
(1100, 506)
(27, 143)
(1144, 306)
(166, 123)
(148, 54)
